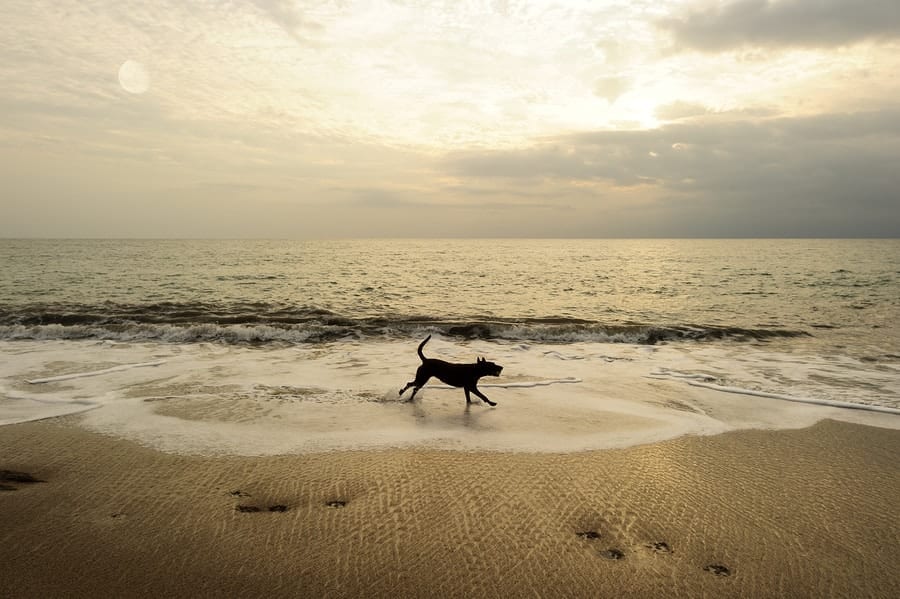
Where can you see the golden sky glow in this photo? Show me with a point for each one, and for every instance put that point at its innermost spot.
(610, 118)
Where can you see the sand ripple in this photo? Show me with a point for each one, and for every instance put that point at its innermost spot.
(806, 513)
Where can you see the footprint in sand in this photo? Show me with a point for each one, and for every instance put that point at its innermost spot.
(336, 503)
(660, 547)
(12, 476)
(718, 569)
(612, 553)
(251, 509)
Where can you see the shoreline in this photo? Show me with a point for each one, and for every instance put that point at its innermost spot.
(800, 512)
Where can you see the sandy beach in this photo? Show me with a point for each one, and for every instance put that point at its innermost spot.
(801, 513)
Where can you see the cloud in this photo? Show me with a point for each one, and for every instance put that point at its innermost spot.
(680, 110)
(340, 115)
(826, 175)
(786, 23)
(611, 87)
(288, 16)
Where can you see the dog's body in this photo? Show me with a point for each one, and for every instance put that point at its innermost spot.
(456, 375)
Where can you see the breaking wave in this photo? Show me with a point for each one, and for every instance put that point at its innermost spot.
(260, 323)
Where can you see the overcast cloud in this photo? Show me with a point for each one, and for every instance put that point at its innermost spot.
(795, 176)
(812, 23)
(286, 118)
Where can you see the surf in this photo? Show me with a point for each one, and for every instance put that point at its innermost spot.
(211, 398)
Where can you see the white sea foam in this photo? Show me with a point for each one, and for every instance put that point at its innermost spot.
(528, 385)
(78, 375)
(20, 407)
(218, 398)
(705, 381)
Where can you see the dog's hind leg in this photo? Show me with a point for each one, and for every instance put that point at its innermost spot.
(421, 378)
(416, 385)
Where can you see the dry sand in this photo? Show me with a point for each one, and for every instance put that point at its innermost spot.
(804, 513)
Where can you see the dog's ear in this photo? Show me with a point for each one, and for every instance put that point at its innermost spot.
(480, 360)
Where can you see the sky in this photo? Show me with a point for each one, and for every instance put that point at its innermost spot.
(505, 118)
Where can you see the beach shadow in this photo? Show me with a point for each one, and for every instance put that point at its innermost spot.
(467, 416)
(417, 411)
(469, 420)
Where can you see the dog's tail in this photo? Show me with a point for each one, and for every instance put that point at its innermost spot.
(421, 345)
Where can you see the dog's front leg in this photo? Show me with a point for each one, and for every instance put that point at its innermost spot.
(481, 395)
(468, 399)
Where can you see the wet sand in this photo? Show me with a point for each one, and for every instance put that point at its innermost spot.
(803, 513)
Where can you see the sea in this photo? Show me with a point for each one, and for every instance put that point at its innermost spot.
(265, 347)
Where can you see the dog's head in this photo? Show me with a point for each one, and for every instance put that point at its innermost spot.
(488, 368)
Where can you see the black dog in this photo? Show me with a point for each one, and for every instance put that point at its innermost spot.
(457, 375)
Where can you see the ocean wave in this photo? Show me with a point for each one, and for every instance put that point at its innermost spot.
(259, 323)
